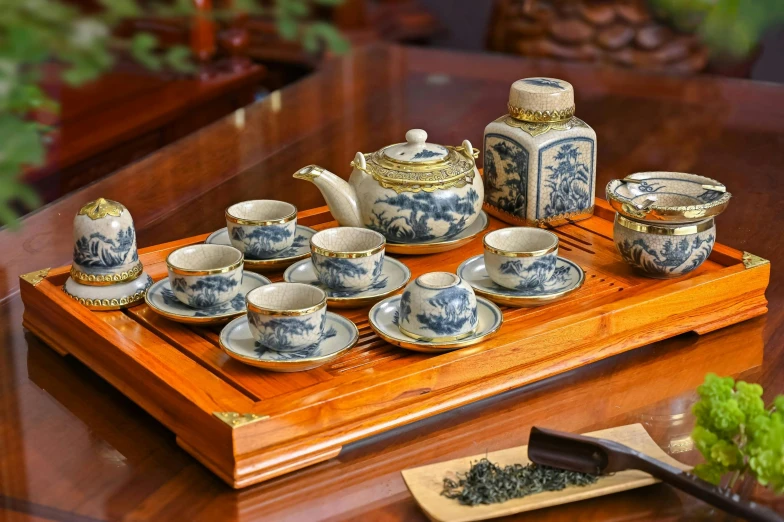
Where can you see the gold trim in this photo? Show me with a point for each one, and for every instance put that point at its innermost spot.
(294, 365)
(188, 272)
(518, 302)
(509, 253)
(677, 230)
(445, 347)
(236, 420)
(521, 113)
(752, 261)
(106, 279)
(537, 129)
(457, 170)
(260, 223)
(288, 313)
(35, 277)
(444, 339)
(414, 249)
(552, 221)
(665, 213)
(309, 173)
(347, 255)
(101, 208)
(103, 305)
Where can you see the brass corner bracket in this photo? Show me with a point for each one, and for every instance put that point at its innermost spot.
(235, 420)
(751, 261)
(35, 277)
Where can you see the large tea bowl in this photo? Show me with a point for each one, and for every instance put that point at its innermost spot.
(664, 251)
(347, 258)
(202, 276)
(262, 228)
(520, 258)
(668, 197)
(438, 307)
(287, 317)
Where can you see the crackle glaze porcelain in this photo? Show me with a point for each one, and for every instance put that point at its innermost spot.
(203, 276)
(299, 249)
(394, 276)
(347, 258)
(160, 297)
(670, 197)
(109, 297)
(287, 317)
(664, 251)
(567, 278)
(520, 257)
(384, 319)
(263, 228)
(438, 307)
(410, 192)
(339, 334)
(104, 244)
(539, 159)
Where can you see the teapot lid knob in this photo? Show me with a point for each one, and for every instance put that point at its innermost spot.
(416, 136)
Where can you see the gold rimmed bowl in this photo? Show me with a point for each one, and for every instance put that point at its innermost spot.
(203, 276)
(668, 197)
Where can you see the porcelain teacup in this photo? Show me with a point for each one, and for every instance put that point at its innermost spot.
(347, 258)
(520, 258)
(437, 307)
(261, 228)
(286, 317)
(202, 276)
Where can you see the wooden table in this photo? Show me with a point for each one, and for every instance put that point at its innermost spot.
(72, 448)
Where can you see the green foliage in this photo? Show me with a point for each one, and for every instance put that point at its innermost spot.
(728, 27)
(735, 432)
(35, 33)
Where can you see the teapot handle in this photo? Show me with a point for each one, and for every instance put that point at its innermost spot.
(468, 150)
(359, 162)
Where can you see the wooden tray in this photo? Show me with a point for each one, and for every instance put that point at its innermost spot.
(426, 483)
(247, 425)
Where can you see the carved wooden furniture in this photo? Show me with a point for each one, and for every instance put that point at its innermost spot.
(75, 448)
(616, 32)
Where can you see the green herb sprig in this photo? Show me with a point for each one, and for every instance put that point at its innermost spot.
(738, 434)
(489, 483)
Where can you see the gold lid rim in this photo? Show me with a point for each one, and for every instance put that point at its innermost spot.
(673, 230)
(539, 116)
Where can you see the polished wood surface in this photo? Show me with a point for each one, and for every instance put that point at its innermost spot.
(180, 375)
(74, 448)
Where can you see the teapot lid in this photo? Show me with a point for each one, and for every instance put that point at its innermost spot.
(417, 165)
(540, 100)
(416, 149)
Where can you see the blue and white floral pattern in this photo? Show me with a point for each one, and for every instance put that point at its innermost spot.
(237, 304)
(530, 276)
(506, 174)
(339, 334)
(433, 306)
(673, 257)
(454, 311)
(99, 251)
(411, 215)
(565, 177)
(262, 242)
(206, 291)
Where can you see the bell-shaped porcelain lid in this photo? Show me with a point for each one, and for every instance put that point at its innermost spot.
(418, 165)
(104, 245)
(416, 149)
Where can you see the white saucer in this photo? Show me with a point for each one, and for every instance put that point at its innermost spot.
(300, 249)
(394, 276)
(435, 246)
(162, 300)
(568, 277)
(339, 335)
(384, 317)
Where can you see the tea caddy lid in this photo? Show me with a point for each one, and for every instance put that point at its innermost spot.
(541, 100)
(418, 165)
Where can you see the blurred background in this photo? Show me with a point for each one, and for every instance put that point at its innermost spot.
(88, 86)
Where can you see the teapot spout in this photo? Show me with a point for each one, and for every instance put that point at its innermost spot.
(341, 197)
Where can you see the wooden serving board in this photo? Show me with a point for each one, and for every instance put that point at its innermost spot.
(426, 483)
(248, 425)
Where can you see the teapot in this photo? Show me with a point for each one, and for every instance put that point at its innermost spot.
(410, 192)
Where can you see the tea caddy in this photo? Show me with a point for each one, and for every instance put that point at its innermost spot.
(539, 159)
